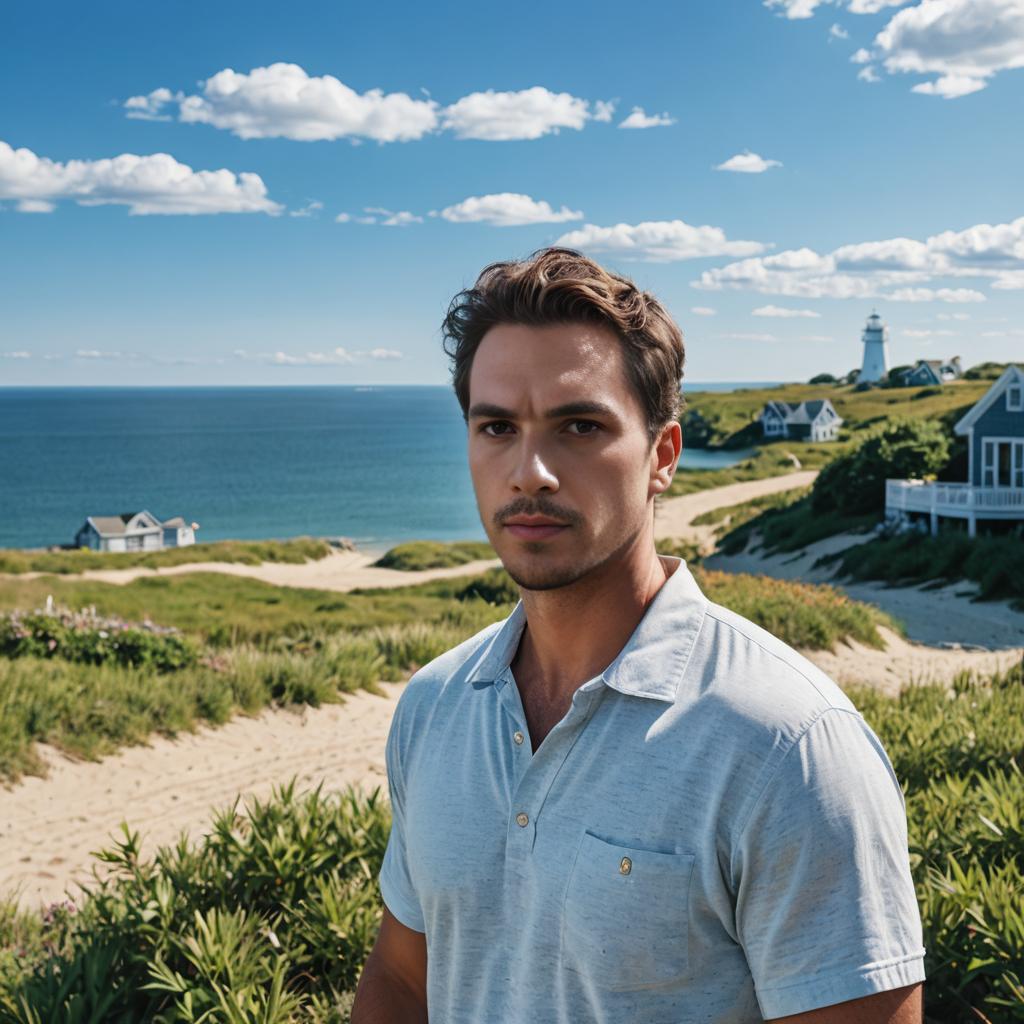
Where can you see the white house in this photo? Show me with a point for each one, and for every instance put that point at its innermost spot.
(801, 421)
(994, 490)
(134, 531)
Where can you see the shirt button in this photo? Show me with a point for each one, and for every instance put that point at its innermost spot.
(625, 865)
(522, 820)
(518, 738)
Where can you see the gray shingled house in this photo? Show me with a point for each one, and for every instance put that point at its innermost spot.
(994, 489)
(135, 531)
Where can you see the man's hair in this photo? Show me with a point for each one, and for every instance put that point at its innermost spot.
(561, 286)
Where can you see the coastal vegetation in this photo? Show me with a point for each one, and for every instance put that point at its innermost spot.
(271, 915)
(87, 682)
(417, 555)
(247, 552)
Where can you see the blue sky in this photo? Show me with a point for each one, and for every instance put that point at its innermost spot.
(881, 139)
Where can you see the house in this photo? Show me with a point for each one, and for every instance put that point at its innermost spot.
(801, 421)
(134, 531)
(994, 489)
(932, 372)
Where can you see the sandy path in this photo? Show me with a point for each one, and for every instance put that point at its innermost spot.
(340, 570)
(941, 618)
(48, 827)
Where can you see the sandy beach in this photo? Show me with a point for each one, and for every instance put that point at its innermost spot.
(49, 826)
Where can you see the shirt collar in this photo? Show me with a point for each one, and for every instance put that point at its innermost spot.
(654, 658)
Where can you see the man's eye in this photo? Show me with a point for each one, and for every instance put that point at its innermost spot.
(486, 428)
(587, 423)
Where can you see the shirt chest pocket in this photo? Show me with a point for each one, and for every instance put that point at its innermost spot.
(624, 922)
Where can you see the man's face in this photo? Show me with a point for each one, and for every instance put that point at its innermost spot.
(556, 432)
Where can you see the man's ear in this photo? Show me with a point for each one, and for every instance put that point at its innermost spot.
(665, 457)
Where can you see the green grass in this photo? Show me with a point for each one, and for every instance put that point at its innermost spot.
(731, 517)
(791, 527)
(270, 916)
(418, 555)
(248, 552)
(805, 615)
(224, 610)
(771, 460)
(731, 414)
(995, 563)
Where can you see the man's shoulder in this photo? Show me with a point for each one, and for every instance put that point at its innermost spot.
(761, 679)
(446, 673)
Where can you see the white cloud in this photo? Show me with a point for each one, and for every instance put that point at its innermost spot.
(389, 218)
(658, 241)
(872, 6)
(868, 74)
(953, 316)
(749, 337)
(20, 354)
(36, 206)
(314, 206)
(783, 312)
(816, 337)
(506, 209)
(151, 106)
(604, 110)
(964, 42)
(913, 332)
(145, 184)
(838, 32)
(796, 8)
(338, 356)
(283, 101)
(861, 56)
(638, 119)
(527, 114)
(343, 218)
(747, 163)
(703, 311)
(898, 268)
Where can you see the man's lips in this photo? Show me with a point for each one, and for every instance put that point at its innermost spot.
(534, 531)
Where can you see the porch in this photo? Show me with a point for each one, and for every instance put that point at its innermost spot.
(953, 500)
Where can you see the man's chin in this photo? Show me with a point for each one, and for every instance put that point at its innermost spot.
(544, 576)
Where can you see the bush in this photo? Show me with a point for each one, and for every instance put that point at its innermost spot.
(268, 918)
(418, 555)
(854, 483)
(822, 378)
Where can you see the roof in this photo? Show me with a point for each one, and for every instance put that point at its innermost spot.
(175, 521)
(1011, 375)
(117, 526)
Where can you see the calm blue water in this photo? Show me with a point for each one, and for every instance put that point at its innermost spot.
(379, 465)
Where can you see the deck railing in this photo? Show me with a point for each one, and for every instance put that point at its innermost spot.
(952, 498)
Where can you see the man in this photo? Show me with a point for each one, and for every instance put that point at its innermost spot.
(622, 803)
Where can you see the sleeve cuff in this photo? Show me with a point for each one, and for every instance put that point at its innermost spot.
(405, 911)
(841, 986)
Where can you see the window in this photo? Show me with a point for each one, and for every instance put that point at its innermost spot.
(1015, 398)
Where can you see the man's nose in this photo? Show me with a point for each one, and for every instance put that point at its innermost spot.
(533, 470)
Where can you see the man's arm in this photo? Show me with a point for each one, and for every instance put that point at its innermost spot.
(393, 985)
(896, 1006)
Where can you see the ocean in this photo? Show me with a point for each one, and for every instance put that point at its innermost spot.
(378, 465)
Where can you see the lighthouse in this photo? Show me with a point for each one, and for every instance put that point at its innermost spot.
(876, 351)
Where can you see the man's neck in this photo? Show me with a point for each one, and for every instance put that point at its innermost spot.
(574, 633)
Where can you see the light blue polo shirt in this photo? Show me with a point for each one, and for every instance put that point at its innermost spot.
(711, 834)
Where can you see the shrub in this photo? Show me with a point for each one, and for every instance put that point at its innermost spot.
(854, 483)
(418, 555)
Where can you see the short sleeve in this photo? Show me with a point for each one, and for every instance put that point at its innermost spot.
(396, 884)
(825, 903)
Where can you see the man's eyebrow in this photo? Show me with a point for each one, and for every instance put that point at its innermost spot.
(581, 408)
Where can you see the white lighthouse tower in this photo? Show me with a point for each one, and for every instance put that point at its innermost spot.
(876, 351)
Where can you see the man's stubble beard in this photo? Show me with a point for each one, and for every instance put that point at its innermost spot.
(552, 577)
